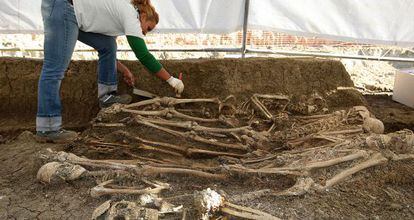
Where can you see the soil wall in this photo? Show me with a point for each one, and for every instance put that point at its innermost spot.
(202, 78)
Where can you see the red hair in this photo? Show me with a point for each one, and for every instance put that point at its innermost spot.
(145, 7)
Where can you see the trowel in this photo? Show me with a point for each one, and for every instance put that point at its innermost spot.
(143, 93)
(149, 95)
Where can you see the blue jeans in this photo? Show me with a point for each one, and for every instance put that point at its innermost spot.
(106, 47)
(61, 33)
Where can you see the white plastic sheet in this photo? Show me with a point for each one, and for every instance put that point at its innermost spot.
(363, 21)
(200, 16)
(177, 16)
(20, 16)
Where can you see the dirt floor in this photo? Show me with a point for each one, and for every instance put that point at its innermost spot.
(385, 192)
(394, 115)
(382, 192)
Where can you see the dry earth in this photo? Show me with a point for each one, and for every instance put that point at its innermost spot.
(381, 192)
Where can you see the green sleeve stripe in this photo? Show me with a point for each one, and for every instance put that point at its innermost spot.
(144, 56)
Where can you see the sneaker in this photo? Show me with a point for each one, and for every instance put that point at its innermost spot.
(59, 137)
(113, 98)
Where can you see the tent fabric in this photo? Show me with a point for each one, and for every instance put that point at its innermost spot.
(20, 16)
(200, 16)
(368, 21)
(364, 21)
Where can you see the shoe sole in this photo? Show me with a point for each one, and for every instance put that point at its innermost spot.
(44, 140)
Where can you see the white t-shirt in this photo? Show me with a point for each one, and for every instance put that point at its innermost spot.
(108, 17)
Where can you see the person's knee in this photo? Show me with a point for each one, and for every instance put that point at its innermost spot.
(52, 74)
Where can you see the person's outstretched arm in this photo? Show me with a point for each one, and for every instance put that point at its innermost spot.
(126, 73)
(148, 60)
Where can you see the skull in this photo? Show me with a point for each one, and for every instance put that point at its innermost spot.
(55, 171)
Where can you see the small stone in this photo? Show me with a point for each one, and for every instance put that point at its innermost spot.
(371, 87)
(395, 206)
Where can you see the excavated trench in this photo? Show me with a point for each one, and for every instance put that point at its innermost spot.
(203, 78)
(384, 192)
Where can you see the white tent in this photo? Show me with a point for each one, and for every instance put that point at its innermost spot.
(364, 21)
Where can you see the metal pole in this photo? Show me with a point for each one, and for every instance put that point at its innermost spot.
(197, 50)
(310, 54)
(245, 24)
(238, 50)
(235, 50)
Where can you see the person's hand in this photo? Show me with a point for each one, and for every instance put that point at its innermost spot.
(129, 78)
(127, 75)
(177, 84)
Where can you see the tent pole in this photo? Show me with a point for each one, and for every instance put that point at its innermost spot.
(245, 23)
(329, 55)
(238, 50)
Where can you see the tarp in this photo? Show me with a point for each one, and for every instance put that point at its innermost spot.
(20, 16)
(200, 16)
(364, 21)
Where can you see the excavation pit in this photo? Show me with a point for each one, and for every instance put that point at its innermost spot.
(203, 79)
(303, 140)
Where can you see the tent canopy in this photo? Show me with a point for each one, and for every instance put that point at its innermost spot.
(369, 21)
